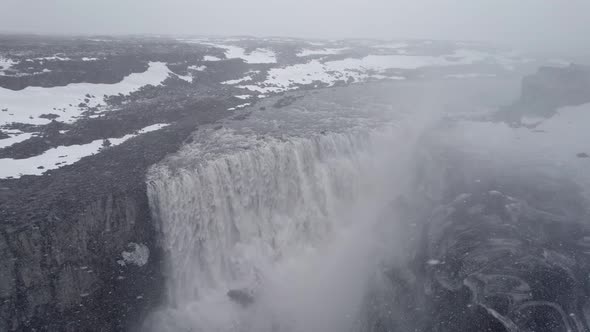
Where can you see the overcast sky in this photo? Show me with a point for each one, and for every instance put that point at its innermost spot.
(537, 24)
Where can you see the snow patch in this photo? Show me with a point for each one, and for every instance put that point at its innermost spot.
(27, 105)
(324, 51)
(61, 156)
(393, 45)
(6, 63)
(187, 78)
(6, 142)
(197, 68)
(239, 106)
(470, 75)
(211, 58)
(259, 55)
(560, 62)
(138, 255)
(433, 262)
(54, 58)
(239, 80)
(368, 67)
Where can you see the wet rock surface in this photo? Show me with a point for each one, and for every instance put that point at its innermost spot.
(243, 297)
(499, 246)
(488, 261)
(498, 264)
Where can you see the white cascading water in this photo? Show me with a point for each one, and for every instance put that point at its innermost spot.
(290, 219)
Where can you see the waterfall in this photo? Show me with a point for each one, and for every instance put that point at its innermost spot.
(283, 218)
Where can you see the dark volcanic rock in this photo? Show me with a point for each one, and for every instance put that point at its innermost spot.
(241, 296)
(67, 72)
(550, 88)
(49, 116)
(285, 101)
(78, 249)
(64, 274)
(553, 87)
(491, 262)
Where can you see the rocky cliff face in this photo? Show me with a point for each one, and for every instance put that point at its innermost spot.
(490, 261)
(554, 87)
(94, 271)
(78, 247)
(550, 88)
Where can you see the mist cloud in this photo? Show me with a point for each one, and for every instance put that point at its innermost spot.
(534, 24)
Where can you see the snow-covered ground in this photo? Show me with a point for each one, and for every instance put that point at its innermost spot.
(197, 68)
(20, 74)
(54, 58)
(16, 138)
(211, 58)
(25, 106)
(470, 75)
(368, 67)
(256, 56)
(395, 45)
(375, 60)
(239, 106)
(61, 156)
(259, 55)
(187, 78)
(322, 51)
(274, 70)
(239, 80)
(5, 64)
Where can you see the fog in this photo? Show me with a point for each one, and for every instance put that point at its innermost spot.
(545, 25)
(279, 186)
